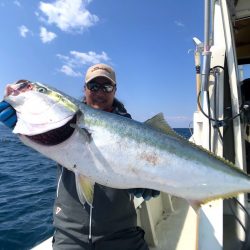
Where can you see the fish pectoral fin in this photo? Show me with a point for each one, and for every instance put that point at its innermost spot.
(85, 189)
(158, 122)
(83, 131)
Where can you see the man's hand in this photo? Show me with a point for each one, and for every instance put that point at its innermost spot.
(7, 115)
(145, 193)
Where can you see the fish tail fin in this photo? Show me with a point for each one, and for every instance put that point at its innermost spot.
(196, 205)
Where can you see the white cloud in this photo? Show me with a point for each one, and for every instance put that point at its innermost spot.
(88, 58)
(68, 15)
(67, 70)
(77, 60)
(178, 23)
(23, 30)
(17, 3)
(46, 36)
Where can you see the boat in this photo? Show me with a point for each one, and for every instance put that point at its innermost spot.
(221, 124)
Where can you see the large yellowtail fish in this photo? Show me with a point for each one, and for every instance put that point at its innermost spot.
(116, 151)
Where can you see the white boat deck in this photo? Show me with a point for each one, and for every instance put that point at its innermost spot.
(177, 231)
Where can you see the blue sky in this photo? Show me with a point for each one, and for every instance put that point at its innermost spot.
(145, 41)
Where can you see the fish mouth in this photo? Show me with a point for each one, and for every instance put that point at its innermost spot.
(54, 136)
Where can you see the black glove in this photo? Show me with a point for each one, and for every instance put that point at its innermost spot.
(145, 193)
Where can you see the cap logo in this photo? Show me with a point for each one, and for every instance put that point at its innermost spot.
(96, 68)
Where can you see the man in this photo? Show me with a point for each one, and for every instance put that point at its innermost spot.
(111, 223)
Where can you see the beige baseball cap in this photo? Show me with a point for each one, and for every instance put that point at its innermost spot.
(100, 69)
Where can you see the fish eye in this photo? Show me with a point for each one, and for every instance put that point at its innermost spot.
(59, 96)
(42, 90)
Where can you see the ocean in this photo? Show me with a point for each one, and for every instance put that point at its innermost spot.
(27, 191)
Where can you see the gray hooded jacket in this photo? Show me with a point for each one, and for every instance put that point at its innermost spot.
(113, 209)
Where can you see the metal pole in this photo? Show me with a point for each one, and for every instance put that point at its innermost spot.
(206, 53)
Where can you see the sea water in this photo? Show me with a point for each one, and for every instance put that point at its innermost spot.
(27, 192)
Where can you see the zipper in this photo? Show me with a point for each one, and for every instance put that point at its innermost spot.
(58, 184)
(90, 225)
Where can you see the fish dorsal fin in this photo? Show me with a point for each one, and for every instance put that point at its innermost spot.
(85, 189)
(158, 122)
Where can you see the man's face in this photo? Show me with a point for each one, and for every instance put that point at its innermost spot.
(96, 97)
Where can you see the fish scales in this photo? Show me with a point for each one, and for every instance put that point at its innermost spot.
(119, 152)
(166, 148)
